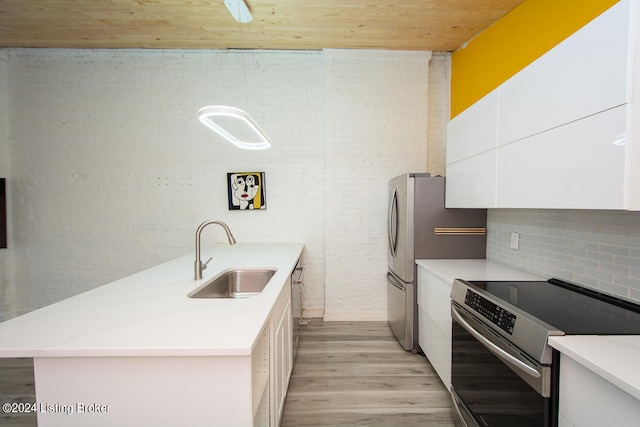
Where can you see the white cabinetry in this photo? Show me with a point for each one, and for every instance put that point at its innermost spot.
(260, 373)
(478, 123)
(471, 158)
(281, 353)
(435, 279)
(574, 166)
(583, 75)
(434, 322)
(243, 391)
(588, 400)
(561, 128)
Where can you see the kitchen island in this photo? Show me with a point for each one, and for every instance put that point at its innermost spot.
(138, 351)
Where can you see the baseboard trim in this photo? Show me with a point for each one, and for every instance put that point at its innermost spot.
(313, 314)
(355, 317)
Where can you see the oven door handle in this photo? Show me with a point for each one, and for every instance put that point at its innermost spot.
(466, 419)
(497, 351)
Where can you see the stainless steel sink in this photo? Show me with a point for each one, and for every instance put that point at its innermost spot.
(235, 283)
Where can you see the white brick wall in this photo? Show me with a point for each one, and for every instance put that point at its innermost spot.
(7, 300)
(112, 172)
(598, 249)
(439, 71)
(376, 128)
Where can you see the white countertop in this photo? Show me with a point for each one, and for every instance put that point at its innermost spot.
(473, 269)
(149, 313)
(614, 358)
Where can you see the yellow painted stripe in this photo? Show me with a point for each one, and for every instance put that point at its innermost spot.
(513, 42)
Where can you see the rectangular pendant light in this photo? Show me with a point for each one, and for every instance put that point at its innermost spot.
(239, 10)
(208, 115)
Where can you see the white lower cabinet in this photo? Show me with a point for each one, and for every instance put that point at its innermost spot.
(435, 280)
(260, 371)
(434, 322)
(242, 391)
(281, 354)
(585, 164)
(478, 123)
(588, 400)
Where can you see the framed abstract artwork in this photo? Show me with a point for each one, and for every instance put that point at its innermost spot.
(247, 191)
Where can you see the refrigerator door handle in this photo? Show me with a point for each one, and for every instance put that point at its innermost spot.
(394, 282)
(393, 223)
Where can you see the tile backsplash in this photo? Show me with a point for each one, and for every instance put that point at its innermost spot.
(595, 248)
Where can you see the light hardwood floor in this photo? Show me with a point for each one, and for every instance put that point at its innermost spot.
(346, 374)
(357, 374)
(17, 386)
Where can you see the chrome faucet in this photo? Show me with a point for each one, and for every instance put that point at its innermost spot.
(199, 266)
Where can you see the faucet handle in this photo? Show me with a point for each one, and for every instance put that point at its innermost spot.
(205, 264)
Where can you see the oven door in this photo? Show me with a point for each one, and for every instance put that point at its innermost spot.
(492, 383)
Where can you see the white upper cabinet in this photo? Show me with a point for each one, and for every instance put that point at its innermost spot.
(471, 182)
(563, 132)
(580, 165)
(583, 75)
(473, 131)
(471, 161)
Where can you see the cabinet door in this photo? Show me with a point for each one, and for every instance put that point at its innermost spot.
(471, 183)
(283, 358)
(583, 75)
(588, 400)
(439, 303)
(580, 165)
(439, 311)
(281, 352)
(439, 353)
(434, 328)
(473, 131)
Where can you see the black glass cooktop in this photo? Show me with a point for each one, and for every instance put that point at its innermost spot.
(573, 309)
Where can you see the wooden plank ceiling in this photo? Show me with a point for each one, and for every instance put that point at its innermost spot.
(437, 25)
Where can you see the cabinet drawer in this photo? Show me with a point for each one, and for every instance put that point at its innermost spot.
(436, 346)
(439, 304)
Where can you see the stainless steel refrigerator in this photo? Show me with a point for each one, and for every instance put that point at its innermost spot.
(420, 227)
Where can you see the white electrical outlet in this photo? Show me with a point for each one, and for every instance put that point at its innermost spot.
(515, 240)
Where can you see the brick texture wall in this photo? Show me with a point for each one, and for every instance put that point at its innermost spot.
(376, 128)
(111, 172)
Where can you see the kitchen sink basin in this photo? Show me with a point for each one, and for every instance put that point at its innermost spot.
(235, 283)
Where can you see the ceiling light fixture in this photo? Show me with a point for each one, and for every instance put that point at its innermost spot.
(239, 10)
(207, 116)
(246, 132)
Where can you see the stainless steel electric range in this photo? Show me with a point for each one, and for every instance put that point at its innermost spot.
(504, 373)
